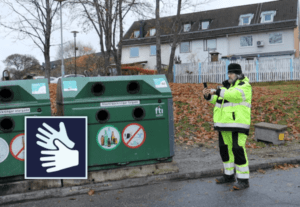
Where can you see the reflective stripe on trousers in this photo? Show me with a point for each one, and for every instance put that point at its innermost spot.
(242, 172)
(229, 168)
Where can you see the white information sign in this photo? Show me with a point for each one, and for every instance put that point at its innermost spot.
(38, 88)
(15, 111)
(120, 103)
(160, 83)
(4, 150)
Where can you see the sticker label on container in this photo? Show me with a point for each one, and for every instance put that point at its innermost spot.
(15, 111)
(17, 146)
(38, 88)
(70, 86)
(281, 136)
(134, 135)
(4, 150)
(108, 137)
(160, 83)
(159, 111)
(120, 103)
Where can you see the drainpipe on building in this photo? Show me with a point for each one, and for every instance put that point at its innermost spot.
(227, 45)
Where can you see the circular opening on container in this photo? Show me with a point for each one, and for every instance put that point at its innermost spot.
(39, 110)
(159, 100)
(133, 87)
(138, 113)
(102, 116)
(7, 124)
(6, 94)
(98, 89)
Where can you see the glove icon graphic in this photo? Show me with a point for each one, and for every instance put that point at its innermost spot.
(59, 146)
(60, 159)
(48, 138)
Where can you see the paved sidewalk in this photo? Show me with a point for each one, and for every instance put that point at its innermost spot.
(193, 163)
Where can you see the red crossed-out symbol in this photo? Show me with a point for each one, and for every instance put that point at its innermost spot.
(16, 146)
(140, 127)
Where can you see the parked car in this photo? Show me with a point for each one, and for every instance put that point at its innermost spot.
(38, 77)
(68, 76)
(52, 79)
(73, 75)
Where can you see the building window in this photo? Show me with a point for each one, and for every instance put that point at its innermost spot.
(246, 41)
(267, 16)
(152, 32)
(134, 52)
(210, 44)
(187, 27)
(275, 38)
(184, 47)
(136, 34)
(245, 19)
(152, 50)
(205, 25)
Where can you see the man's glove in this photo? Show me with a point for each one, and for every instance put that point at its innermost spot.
(226, 84)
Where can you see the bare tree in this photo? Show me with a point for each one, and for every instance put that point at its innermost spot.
(106, 18)
(69, 50)
(177, 28)
(158, 45)
(34, 20)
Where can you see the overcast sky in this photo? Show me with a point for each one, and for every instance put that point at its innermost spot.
(10, 46)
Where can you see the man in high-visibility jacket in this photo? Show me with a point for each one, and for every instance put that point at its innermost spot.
(232, 118)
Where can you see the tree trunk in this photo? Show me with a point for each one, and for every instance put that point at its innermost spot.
(47, 41)
(120, 46)
(174, 44)
(108, 33)
(158, 50)
(47, 64)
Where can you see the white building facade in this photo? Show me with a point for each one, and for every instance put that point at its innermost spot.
(271, 33)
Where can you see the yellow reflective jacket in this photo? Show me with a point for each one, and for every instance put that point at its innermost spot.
(232, 110)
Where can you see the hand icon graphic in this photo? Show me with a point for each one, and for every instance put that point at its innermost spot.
(63, 158)
(48, 138)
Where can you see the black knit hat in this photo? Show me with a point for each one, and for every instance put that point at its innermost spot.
(235, 68)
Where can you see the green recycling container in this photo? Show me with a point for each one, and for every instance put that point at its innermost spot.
(130, 118)
(18, 99)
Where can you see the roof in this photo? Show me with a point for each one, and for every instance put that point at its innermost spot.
(221, 23)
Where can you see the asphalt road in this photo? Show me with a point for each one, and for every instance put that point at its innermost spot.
(275, 188)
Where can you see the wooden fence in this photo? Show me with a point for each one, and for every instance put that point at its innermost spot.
(256, 70)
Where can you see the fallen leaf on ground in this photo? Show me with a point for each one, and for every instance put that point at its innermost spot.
(261, 171)
(91, 192)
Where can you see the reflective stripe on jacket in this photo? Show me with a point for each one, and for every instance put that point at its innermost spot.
(232, 110)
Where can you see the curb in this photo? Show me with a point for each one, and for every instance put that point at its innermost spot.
(134, 182)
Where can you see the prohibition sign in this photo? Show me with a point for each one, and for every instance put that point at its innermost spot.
(16, 147)
(134, 135)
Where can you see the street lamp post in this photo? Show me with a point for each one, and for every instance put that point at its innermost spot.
(62, 46)
(75, 32)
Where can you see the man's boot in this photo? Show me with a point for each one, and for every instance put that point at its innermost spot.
(241, 184)
(225, 179)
